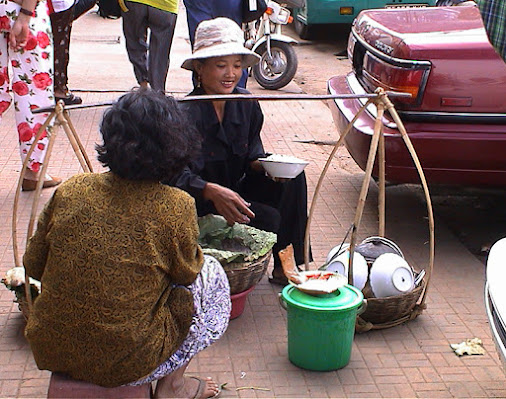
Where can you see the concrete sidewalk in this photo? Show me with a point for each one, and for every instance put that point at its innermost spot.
(412, 360)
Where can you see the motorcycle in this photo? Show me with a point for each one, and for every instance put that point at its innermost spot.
(278, 62)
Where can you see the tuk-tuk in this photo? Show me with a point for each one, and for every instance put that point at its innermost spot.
(318, 12)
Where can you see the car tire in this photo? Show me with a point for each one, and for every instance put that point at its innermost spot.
(304, 31)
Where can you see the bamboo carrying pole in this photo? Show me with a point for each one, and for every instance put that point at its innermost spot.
(320, 181)
(393, 112)
(62, 118)
(377, 145)
(239, 97)
(379, 98)
(365, 188)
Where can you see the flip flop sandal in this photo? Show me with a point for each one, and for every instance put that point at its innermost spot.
(202, 387)
(278, 280)
(30, 185)
(70, 99)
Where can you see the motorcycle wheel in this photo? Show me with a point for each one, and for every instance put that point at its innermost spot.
(275, 76)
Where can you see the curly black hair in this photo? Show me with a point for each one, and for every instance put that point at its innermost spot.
(147, 136)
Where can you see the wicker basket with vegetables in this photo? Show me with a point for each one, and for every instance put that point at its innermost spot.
(243, 251)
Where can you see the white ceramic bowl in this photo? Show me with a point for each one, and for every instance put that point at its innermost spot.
(341, 264)
(337, 250)
(390, 276)
(283, 166)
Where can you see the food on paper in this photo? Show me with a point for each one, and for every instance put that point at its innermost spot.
(320, 282)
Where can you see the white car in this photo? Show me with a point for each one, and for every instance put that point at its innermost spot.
(495, 296)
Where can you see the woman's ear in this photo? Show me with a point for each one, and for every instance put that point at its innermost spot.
(197, 66)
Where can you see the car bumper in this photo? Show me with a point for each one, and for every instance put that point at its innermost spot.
(450, 153)
(495, 297)
(497, 326)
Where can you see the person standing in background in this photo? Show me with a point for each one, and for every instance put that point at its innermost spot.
(83, 6)
(201, 10)
(26, 43)
(493, 13)
(150, 60)
(62, 16)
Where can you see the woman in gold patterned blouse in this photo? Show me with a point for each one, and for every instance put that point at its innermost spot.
(127, 295)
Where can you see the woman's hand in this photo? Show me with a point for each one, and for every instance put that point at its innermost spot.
(18, 35)
(258, 167)
(228, 203)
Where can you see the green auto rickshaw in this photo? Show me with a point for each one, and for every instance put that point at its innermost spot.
(308, 13)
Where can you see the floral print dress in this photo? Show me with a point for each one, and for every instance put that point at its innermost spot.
(212, 307)
(32, 77)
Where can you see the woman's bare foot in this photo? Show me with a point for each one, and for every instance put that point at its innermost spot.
(188, 387)
(30, 181)
(206, 388)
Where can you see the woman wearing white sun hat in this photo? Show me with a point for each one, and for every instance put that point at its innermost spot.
(227, 178)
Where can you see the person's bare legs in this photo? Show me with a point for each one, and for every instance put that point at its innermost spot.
(177, 385)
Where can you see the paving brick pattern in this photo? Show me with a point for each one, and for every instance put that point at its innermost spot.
(411, 360)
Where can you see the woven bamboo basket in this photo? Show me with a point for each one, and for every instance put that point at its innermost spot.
(244, 275)
(395, 310)
(387, 312)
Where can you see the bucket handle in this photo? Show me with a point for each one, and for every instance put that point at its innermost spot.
(282, 301)
(363, 306)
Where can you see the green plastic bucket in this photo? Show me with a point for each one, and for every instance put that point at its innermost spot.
(321, 328)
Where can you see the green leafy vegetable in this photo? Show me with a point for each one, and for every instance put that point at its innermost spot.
(237, 243)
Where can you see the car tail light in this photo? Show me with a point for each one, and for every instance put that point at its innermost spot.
(407, 78)
(346, 11)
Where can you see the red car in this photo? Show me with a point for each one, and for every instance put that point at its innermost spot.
(456, 116)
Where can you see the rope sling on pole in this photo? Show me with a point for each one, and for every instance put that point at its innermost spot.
(377, 146)
(62, 118)
(381, 100)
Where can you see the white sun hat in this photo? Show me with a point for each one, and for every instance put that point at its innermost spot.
(220, 37)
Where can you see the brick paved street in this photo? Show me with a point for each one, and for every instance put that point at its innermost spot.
(412, 360)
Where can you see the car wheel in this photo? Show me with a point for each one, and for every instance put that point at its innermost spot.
(304, 31)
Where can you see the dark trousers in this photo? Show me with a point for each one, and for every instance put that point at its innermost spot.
(150, 61)
(82, 6)
(278, 207)
(201, 10)
(61, 25)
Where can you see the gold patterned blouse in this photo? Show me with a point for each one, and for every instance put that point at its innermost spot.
(108, 252)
